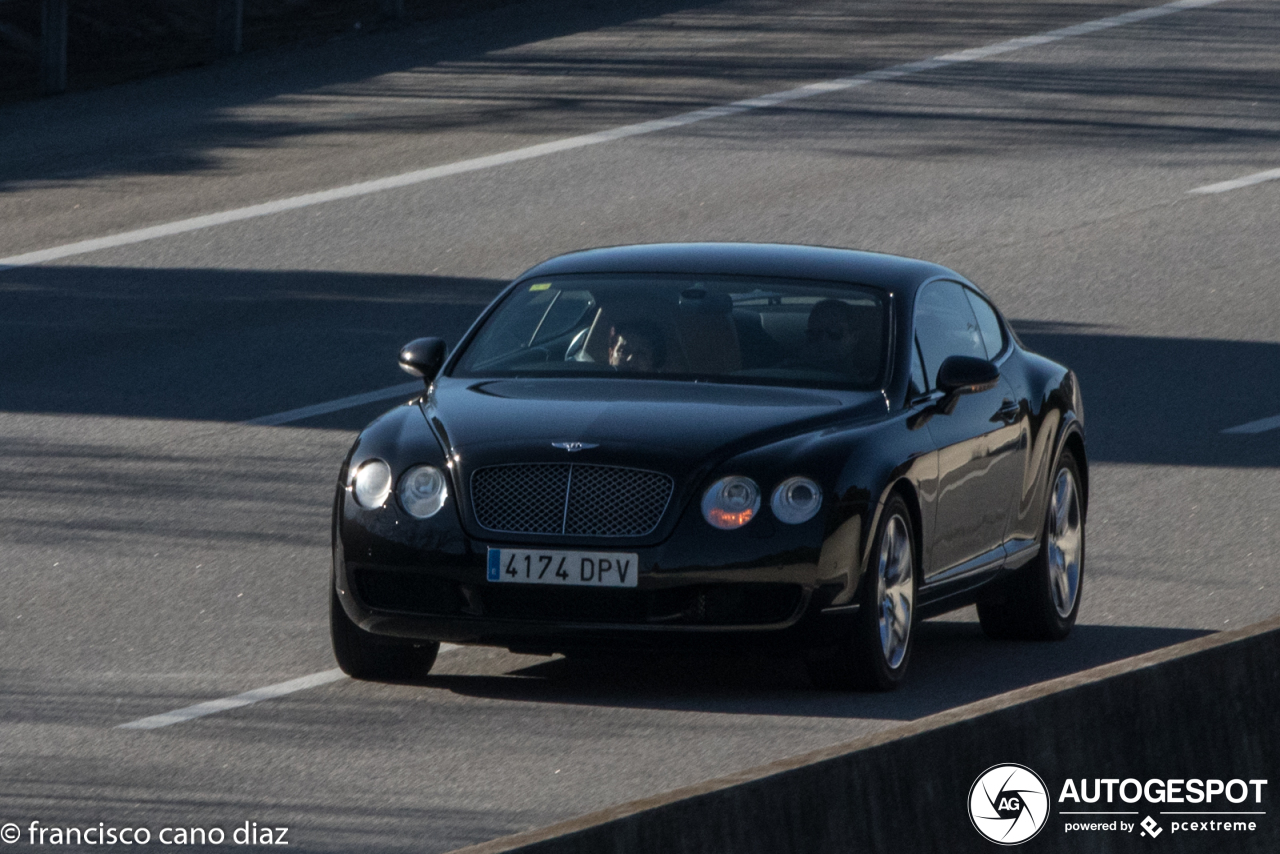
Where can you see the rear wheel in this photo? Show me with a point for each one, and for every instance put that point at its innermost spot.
(875, 654)
(1043, 597)
(362, 655)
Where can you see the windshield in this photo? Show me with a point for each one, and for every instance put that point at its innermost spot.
(726, 329)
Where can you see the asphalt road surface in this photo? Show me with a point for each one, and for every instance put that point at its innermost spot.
(157, 552)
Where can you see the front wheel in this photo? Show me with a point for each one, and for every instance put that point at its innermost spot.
(1044, 596)
(362, 655)
(875, 654)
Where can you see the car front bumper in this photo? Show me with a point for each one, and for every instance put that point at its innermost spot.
(769, 608)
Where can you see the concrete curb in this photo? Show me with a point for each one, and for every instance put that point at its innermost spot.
(1205, 708)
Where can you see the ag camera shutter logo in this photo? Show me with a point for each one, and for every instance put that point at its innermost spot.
(1008, 804)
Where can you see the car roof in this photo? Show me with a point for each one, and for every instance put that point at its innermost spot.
(891, 272)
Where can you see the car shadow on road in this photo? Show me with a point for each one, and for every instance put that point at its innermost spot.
(952, 664)
(1166, 401)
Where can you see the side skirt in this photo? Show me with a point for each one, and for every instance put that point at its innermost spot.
(965, 584)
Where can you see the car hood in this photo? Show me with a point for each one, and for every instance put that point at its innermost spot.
(676, 427)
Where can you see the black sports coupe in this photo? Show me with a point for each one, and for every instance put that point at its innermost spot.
(721, 446)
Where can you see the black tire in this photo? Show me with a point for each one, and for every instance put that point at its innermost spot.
(362, 655)
(1031, 605)
(863, 660)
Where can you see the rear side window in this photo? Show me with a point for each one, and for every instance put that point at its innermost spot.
(988, 323)
(946, 326)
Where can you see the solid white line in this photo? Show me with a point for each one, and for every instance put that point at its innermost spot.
(403, 390)
(545, 149)
(1262, 425)
(248, 698)
(1237, 183)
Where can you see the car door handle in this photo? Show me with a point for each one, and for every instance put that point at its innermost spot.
(1009, 411)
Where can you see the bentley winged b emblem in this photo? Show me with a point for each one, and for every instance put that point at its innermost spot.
(574, 447)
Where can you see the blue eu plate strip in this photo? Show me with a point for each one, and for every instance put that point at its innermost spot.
(495, 564)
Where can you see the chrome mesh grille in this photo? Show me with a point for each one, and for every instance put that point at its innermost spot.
(526, 499)
(567, 498)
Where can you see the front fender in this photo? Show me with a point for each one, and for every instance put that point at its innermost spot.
(858, 468)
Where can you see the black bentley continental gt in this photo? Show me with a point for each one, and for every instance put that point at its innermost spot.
(715, 446)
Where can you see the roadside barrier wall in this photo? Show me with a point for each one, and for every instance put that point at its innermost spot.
(1208, 708)
(47, 46)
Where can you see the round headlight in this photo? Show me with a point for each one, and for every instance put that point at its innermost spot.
(731, 502)
(423, 490)
(796, 500)
(372, 483)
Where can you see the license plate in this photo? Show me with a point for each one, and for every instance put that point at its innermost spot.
(583, 569)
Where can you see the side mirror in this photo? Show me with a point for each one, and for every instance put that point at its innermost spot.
(422, 358)
(959, 375)
(966, 375)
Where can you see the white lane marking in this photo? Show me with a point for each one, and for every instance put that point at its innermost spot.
(248, 698)
(1262, 425)
(1237, 183)
(420, 176)
(403, 390)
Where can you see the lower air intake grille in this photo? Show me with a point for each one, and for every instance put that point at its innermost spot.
(567, 498)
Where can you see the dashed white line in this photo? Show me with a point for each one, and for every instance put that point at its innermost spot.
(420, 176)
(1262, 425)
(248, 698)
(403, 390)
(1237, 183)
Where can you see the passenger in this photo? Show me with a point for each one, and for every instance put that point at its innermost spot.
(636, 346)
(830, 338)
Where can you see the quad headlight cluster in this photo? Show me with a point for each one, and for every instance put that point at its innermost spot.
(733, 501)
(729, 503)
(423, 489)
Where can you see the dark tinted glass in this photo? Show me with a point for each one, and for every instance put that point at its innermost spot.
(992, 334)
(946, 326)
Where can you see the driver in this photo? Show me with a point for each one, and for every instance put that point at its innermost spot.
(636, 346)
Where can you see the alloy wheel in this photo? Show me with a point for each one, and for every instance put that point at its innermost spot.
(897, 592)
(1065, 541)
